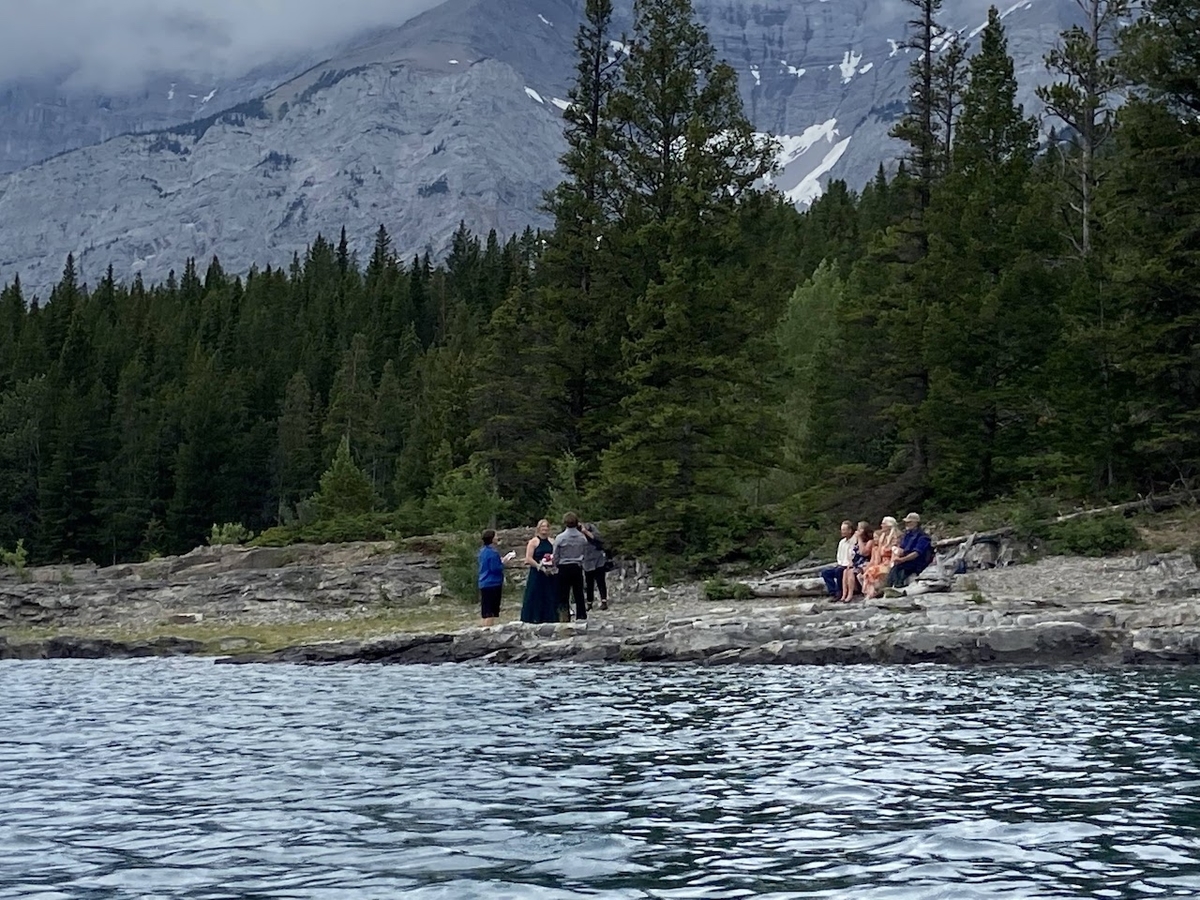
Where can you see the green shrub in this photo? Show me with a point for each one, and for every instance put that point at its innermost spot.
(1030, 516)
(229, 533)
(723, 589)
(1092, 536)
(16, 558)
(377, 526)
(464, 499)
(686, 537)
(565, 495)
(345, 491)
(459, 566)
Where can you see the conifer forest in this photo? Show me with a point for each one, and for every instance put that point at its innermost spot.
(1012, 309)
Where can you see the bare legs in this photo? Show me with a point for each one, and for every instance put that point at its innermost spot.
(849, 584)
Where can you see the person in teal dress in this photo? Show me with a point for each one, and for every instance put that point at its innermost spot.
(541, 591)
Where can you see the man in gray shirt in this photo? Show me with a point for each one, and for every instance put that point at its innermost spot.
(570, 550)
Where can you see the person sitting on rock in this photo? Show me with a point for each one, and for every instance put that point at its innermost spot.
(914, 554)
(832, 576)
(860, 555)
(875, 576)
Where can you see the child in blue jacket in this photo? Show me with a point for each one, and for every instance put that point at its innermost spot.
(491, 580)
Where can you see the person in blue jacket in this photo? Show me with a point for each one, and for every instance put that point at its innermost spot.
(491, 580)
(913, 555)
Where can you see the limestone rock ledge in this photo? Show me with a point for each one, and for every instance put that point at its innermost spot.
(1134, 610)
(820, 636)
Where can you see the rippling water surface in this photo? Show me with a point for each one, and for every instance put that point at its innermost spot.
(184, 779)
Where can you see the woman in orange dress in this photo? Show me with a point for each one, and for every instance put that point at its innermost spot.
(875, 574)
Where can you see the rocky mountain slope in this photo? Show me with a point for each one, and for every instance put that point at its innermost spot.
(453, 116)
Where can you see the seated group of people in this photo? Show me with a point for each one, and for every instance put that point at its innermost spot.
(869, 560)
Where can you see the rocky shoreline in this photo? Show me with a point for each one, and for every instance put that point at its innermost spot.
(386, 607)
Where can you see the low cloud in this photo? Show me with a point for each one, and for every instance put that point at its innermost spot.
(113, 45)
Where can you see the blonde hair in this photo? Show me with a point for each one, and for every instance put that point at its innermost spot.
(890, 522)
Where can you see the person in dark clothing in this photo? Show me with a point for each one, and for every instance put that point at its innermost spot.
(570, 548)
(914, 554)
(491, 580)
(541, 589)
(595, 563)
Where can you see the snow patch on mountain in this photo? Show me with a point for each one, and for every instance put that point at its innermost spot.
(805, 158)
(810, 188)
(850, 61)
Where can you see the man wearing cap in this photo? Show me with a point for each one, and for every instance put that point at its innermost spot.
(913, 555)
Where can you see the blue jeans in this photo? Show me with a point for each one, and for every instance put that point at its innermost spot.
(833, 580)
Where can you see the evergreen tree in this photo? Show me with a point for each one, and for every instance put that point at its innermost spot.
(692, 429)
(131, 481)
(296, 444)
(1153, 202)
(518, 403)
(22, 413)
(918, 126)
(578, 293)
(1084, 59)
(390, 422)
(993, 320)
(1088, 76)
(352, 400)
(345, 490)
(949, 82)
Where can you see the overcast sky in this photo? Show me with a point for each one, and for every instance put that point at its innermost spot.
(113, 44)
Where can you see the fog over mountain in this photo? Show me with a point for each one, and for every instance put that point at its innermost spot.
(116, 45)
(336, 118)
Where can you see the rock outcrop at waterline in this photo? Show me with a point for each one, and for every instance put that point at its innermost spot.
(1134, 610)
(958, 628)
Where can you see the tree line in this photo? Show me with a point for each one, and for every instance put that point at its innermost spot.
(1011, 309)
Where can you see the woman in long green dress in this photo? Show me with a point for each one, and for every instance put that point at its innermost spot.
(541, 591)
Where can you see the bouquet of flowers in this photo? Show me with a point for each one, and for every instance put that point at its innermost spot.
(546, 564)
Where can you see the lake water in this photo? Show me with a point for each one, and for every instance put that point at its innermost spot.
(184, 779)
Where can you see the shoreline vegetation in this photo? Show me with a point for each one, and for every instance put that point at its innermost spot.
(387, 602)
(1008, 312)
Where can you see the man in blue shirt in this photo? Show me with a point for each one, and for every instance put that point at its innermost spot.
(913, 555)
(491, 580)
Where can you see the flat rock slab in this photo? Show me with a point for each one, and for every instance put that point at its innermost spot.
(1136, 610)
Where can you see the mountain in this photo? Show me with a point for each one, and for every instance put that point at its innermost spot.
(455, 115)
(43, 117)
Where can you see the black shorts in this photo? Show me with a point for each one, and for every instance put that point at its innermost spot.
(489, 601)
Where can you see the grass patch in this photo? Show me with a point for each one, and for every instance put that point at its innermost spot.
(243, 637)
(1171, 530)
